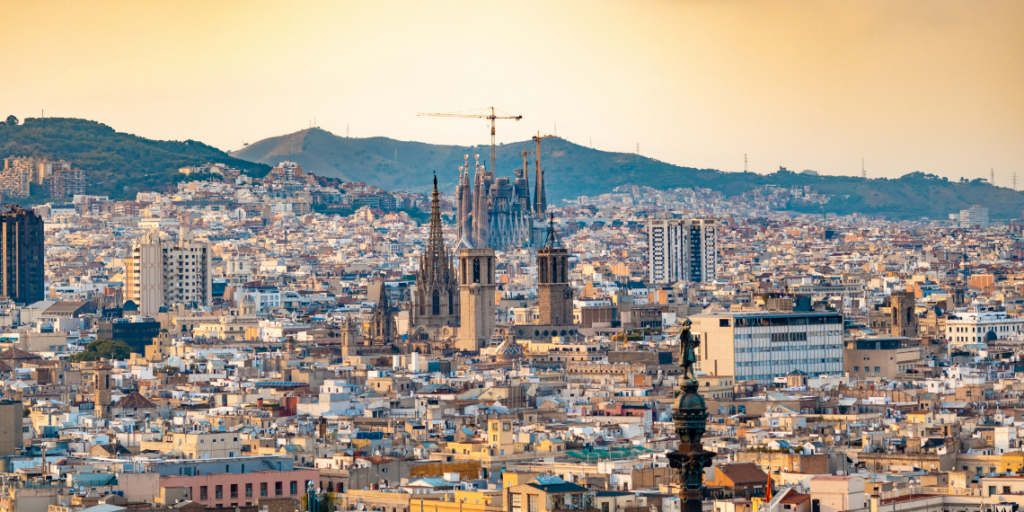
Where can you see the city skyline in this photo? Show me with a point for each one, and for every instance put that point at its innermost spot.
(927, 87)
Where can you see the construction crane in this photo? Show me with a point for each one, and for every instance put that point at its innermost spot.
(492, 116)
(540, 198)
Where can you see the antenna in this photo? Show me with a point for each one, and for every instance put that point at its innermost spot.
(1014, 181)
(992, 176)
(346, 130)
(863, 172)
(744, 162)
(556, 129)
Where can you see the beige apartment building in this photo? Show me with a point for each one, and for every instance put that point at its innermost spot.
(211, 445)
(164, 272)
(883, 357)
(764, 346)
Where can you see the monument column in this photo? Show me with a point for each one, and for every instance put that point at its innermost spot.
(690, 417)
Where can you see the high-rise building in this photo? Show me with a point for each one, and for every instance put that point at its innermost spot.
(493, 212)
(435, 304)
(974, 217)
(476, 297)
(682, 250)
(762, 346)
(23, 255)
(163, 272)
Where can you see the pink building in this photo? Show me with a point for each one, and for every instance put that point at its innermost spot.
(223, 490)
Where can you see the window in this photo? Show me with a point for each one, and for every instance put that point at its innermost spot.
(278, 488)
(219, 492)
(203, 492)
(856, 368)
(234, 490)
(877, 369)
(263, 490)
(1006, 489)
(248, 490)
(531, 503)
(293, 487)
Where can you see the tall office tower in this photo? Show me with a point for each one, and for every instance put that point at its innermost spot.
(553, 282)
(436, 299)
(23, 255)
(476, 268)
(682, 250)
(163, 272)
(974, 217)
(493, 212)
(903, 309)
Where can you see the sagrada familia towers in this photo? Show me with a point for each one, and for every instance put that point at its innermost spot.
(497, 212)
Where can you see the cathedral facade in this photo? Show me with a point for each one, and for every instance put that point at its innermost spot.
(435, 302)
(495, 211)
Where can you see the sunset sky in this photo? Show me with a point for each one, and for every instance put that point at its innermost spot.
(907, 85)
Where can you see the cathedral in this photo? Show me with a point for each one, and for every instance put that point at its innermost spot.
(435, 305)
(496, 212)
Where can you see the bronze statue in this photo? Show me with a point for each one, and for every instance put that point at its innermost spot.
(687, 356)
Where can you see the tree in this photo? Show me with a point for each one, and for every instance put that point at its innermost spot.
(12, 121)
(103, 349)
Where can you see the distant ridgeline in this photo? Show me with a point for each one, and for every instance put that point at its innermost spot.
(115, 164)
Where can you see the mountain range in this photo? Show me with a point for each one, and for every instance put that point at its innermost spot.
(123, 164)
(572, 170)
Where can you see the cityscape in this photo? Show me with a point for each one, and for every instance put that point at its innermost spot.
(435, 321)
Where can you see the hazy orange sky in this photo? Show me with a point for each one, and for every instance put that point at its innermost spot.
(907, 85)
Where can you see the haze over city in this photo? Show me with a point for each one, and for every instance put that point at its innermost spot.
(907, 86)
(579, 256)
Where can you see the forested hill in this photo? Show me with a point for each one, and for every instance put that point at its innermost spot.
(120, 164)
(573, 170)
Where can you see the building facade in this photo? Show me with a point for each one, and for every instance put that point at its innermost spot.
(23, 255)
(682, 250)
(162, 272)
(761, 346)
(978, 325)
(974, 217)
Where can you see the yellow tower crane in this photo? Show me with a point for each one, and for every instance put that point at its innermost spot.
(493, 116)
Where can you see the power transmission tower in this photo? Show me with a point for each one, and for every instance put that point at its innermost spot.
(744, 162)
(992, 176)
(1015, 181)
(863, 172)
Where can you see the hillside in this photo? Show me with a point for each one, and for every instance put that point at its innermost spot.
(121, 164)
(574, 170)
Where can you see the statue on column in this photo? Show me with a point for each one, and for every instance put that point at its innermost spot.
(687, 353)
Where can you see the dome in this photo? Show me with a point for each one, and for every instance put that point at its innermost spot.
(248, 299)
(130, 305)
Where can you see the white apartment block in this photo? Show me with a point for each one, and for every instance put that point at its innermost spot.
(975, 216)
(978, 325)
(164, 272)
(761, 346)
(682, 250)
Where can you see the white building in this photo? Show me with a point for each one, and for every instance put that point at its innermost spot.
(978, 325)
(975, 216)
(164, 272)
(682, 250)
(762, 345)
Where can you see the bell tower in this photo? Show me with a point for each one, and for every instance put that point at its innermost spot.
(476, 297)
(553, 281)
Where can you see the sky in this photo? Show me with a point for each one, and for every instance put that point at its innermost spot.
(916, 85)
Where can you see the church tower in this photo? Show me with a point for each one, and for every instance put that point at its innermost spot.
(476, 273)
(553, 281)
(436, 299)
(382, 325)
